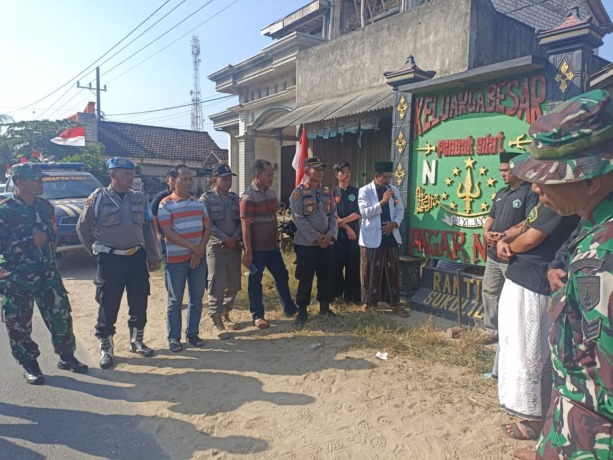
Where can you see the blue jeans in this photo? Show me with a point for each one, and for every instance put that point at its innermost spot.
(177, 275)
(273, 261)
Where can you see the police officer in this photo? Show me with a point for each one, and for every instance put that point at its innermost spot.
(28, 272)
(223, 254)
(314, 213)
(116, 227)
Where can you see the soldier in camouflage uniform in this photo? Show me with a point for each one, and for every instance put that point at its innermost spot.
(571, 168)
(28, 273)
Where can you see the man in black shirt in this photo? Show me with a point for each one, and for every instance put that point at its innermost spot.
(511, 206)
(155, 205)
(346, 247)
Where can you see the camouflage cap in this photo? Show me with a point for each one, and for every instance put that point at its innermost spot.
(573, 142)
(26, 171)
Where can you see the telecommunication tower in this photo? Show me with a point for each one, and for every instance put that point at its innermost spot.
(197, 119)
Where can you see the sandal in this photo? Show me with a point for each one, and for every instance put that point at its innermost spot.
(175, 346)
(364, 308)
(261, 323)
(522, 431)
(399, 311)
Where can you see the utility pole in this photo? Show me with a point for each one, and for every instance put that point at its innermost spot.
(197, 118)
(97, 89)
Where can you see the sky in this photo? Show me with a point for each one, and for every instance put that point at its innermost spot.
(47, 46)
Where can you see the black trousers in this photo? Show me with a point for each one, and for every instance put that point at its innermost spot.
(116, 274)
(311, 261)
(347, 281)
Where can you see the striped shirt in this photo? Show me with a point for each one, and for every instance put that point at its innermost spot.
(185, 217)
(261, 207)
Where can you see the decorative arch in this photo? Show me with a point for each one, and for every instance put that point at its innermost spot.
(267, 114)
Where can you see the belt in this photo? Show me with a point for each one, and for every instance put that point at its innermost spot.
(99, 248)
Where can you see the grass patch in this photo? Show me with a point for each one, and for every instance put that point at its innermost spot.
(377, 331)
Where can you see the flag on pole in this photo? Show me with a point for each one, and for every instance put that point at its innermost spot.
(302, 152)
(73, 137)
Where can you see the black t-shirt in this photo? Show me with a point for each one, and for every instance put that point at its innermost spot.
(529, 269)
(347, 204)
(510, 207)
(389, 239)
(155, 203)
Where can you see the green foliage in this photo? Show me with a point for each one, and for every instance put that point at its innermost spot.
(19, 139)
(92, 157)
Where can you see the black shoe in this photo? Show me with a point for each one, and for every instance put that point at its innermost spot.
(32, 373)
(290, 313)
(196, 341)
(328, 313)
(70, 363)
(301, 320)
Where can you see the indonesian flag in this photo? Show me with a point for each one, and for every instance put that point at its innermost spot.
(302, 152)
(73, 137)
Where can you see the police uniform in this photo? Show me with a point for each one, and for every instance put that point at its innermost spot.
(224, 264)
(314, 213)
(574, 143)
(119, 232)
(28, 272)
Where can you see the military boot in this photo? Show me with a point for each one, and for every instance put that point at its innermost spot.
(219, 328)
(136, 342)
(68, 362)
(106, 352)
(32, 373)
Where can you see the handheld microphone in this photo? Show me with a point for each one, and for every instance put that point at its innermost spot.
(393, 195)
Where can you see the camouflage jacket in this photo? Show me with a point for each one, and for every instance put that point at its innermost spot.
(582, 334)
(18, 224)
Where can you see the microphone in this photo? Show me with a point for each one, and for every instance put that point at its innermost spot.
(393, 195)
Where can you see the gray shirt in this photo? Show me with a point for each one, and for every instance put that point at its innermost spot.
(224, 214)
(119, 223)
(314, 213)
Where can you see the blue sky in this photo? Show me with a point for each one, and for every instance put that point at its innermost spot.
(45, 44)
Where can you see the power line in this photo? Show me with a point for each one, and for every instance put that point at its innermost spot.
(169, 108)
(160, 36)
(93, 63)
(172, 42)
(525, 6)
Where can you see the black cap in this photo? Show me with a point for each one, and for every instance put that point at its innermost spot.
(384, 166)
(506, 157)
(222, 170)
(313, 162)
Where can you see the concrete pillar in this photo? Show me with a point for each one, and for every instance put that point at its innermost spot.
(246, 157)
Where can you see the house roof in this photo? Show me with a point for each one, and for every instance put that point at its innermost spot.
(369, 100)
(155, 142)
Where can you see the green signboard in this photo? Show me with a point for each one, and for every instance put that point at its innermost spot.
(458, 136)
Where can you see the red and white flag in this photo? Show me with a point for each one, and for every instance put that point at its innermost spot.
(73, 137)
(302, 152)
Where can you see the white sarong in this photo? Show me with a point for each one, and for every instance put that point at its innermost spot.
(523, 326)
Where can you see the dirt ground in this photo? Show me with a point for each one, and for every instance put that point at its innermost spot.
(279, 394)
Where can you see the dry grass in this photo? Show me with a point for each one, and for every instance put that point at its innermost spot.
(377, 331)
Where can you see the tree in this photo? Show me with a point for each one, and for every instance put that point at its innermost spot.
(21, 138)
(92, 157)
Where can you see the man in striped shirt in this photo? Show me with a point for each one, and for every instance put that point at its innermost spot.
(186, 227)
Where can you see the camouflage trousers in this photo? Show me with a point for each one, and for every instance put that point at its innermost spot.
(573, 432)
(19, 291)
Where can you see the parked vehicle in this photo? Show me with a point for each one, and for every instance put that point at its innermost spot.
(67, 186)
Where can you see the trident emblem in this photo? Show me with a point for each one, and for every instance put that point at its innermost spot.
(519, 142)
(470, 192)
(428, 149)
